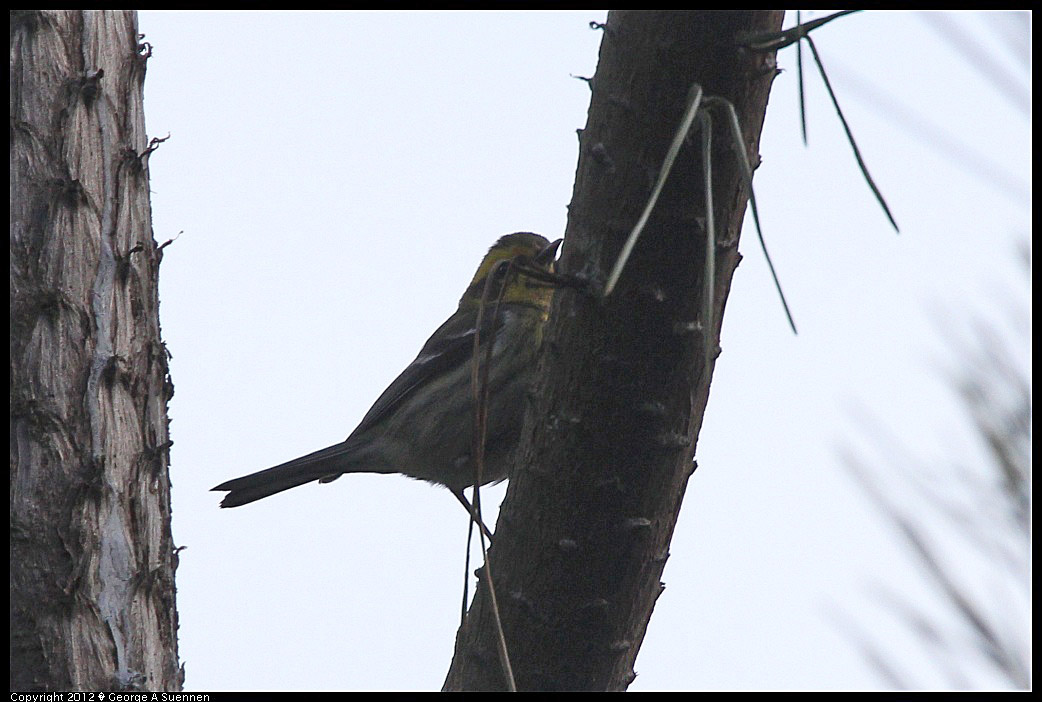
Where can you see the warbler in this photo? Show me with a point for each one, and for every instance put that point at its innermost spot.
(422, 424)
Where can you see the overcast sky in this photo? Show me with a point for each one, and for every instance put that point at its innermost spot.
(333, 179)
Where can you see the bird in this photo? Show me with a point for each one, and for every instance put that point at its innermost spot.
(421, 425)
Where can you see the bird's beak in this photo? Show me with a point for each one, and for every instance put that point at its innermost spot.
(548, 254)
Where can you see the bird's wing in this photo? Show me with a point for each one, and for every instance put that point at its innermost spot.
(448, 348)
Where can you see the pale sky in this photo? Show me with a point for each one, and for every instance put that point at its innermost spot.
(335, 178)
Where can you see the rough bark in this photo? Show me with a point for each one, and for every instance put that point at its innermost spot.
(92, 558)
(584, 531)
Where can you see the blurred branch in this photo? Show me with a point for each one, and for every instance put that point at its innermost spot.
(883, 664)
(1000, 408)
(995, 391)
(980, 59)
(1015, 30)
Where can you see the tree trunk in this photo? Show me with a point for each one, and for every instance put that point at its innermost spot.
(584, 531)
(92, 557)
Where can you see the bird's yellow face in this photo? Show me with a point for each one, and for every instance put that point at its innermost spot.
(529, 250)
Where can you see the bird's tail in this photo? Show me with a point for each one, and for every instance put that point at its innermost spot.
(325, 465)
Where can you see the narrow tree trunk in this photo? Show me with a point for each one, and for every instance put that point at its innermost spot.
(92, 558)
(584, 531)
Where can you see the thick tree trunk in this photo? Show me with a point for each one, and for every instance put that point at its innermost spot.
(92, 558)
(584, 531)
